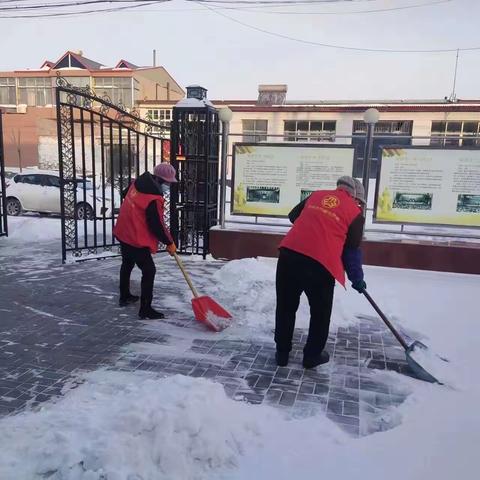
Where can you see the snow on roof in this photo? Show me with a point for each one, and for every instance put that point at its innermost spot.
(387, 102)
(194, 103)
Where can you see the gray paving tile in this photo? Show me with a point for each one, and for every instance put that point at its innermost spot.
(287, 399)
(40, 353)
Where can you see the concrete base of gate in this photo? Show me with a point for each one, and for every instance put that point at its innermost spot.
(457, 257)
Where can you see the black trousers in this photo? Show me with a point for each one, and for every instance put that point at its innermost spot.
(141, 257)
(296, 274)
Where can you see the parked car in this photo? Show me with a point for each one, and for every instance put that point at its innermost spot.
(9, 174)
(39, 191)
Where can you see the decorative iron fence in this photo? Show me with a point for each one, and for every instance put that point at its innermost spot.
(3, 187)
(102, 148)
(195, 155)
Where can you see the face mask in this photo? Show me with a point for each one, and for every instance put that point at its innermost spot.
(165, 188)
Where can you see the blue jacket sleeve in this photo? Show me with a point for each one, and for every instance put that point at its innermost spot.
(352, 262)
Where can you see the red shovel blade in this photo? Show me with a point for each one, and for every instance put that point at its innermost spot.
(209, 312)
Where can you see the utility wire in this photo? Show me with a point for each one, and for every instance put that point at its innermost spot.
(137, 4)
(329, 45)
(351, 12)
(23, 4)
(66, 4)
(275, 2)
(47, 3)
(247, 9)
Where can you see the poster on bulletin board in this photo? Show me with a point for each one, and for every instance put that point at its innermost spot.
(425, 185)
(270, 179)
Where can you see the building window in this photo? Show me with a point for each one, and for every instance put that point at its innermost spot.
(254, 130)
(7, 91)
(136, 90)
(163, 116)
(78, 81)
(118, 89)
(397, 127)
(310, 131)
(35, 92)
(391, 129)
(451, 131)
(69, 62)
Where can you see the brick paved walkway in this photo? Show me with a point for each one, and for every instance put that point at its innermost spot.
(57, 321)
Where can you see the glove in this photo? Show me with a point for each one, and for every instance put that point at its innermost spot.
(171, 249)
(359, 286)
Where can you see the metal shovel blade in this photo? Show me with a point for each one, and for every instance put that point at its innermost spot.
(210, 313)
(417, 369)
(414, 365)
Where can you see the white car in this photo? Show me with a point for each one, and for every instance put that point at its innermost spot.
(39, 191)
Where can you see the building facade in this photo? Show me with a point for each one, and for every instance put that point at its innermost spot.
(27, 97)
(271, 117)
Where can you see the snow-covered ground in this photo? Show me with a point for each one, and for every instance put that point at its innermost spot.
(137, 426)
(32, 229)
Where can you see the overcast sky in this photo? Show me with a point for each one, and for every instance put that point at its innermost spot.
(198, 45)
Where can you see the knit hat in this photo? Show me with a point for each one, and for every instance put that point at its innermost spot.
(353, 186)
(166, 172)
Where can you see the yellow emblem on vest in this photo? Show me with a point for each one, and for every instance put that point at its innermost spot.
(330, 201)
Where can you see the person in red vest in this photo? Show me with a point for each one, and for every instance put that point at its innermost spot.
(139, 228)
(323, 242)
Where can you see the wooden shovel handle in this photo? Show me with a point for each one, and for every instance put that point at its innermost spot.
(400, 339)
(186, 275)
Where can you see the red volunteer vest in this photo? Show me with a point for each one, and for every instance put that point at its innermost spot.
(131, 226)
(321, 229)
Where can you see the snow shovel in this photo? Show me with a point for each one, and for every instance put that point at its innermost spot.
(417, 346)
(206, 310)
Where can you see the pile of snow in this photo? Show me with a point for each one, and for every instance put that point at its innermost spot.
(133, 426)
(431, 362)
(246, 288)
(120, 426)
(31, 229)
(217, 322)
(437, 439)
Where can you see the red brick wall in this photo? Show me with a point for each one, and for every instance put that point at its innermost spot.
(441, 257)
(27, 127)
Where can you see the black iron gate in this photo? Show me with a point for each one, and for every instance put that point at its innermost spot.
(3, 195)
(195, 155)
(102, 147)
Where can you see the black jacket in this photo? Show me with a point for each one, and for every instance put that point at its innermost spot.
(146, 183)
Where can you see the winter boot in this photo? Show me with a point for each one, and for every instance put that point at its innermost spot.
(124, 301)
(315, 360)
(150, 314)
(282, 358)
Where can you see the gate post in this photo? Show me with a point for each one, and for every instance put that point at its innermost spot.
(3, 193)
(225, 116)
(370, 117)
(194, 154)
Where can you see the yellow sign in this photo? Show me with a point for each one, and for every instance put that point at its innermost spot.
(429, 186)
(270, 179)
